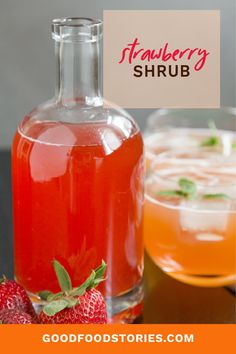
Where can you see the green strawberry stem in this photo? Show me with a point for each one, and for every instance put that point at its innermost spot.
(45, 294)
(3, 279)
(69, 297)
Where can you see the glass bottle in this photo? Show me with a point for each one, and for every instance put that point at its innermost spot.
(77, 165)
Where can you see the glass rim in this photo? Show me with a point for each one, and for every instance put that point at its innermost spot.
(187, 208)
(76, 29)
(231, 110)
(76, 22)
(183, 164)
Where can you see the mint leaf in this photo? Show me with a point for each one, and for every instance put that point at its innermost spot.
(234, 145)
(211, 141)
(214, 139)
(171, 193)
(62, 277)
(188, 187)
(55, 306)
(216, 196)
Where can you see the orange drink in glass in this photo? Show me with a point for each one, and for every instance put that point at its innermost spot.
(190, 204)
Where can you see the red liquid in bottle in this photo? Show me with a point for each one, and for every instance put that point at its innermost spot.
(77, 198)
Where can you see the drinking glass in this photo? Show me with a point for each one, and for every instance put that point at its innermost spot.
(190, 195)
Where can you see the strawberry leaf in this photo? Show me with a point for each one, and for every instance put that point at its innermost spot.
(97, 281)
(92, 281)
(62, 277)
(55, 306)
(100, 270)
(79, 291)
(72, 302)
(56, 296)
(44, 294)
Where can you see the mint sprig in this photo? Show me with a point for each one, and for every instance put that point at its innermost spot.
(187, 189)
(211, 141)
(214, 139)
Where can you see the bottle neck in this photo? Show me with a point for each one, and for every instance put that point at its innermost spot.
(78, 73)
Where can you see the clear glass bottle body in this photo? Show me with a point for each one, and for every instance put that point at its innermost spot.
(78, 180)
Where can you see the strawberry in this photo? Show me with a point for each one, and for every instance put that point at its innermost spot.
(9, 316)
(83, 304)
(13, 296)
(90, 308)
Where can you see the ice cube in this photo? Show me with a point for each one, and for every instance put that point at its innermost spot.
(180, 140)
(207, 236)
(204, 215)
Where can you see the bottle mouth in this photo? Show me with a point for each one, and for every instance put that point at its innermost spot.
(76, 29)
